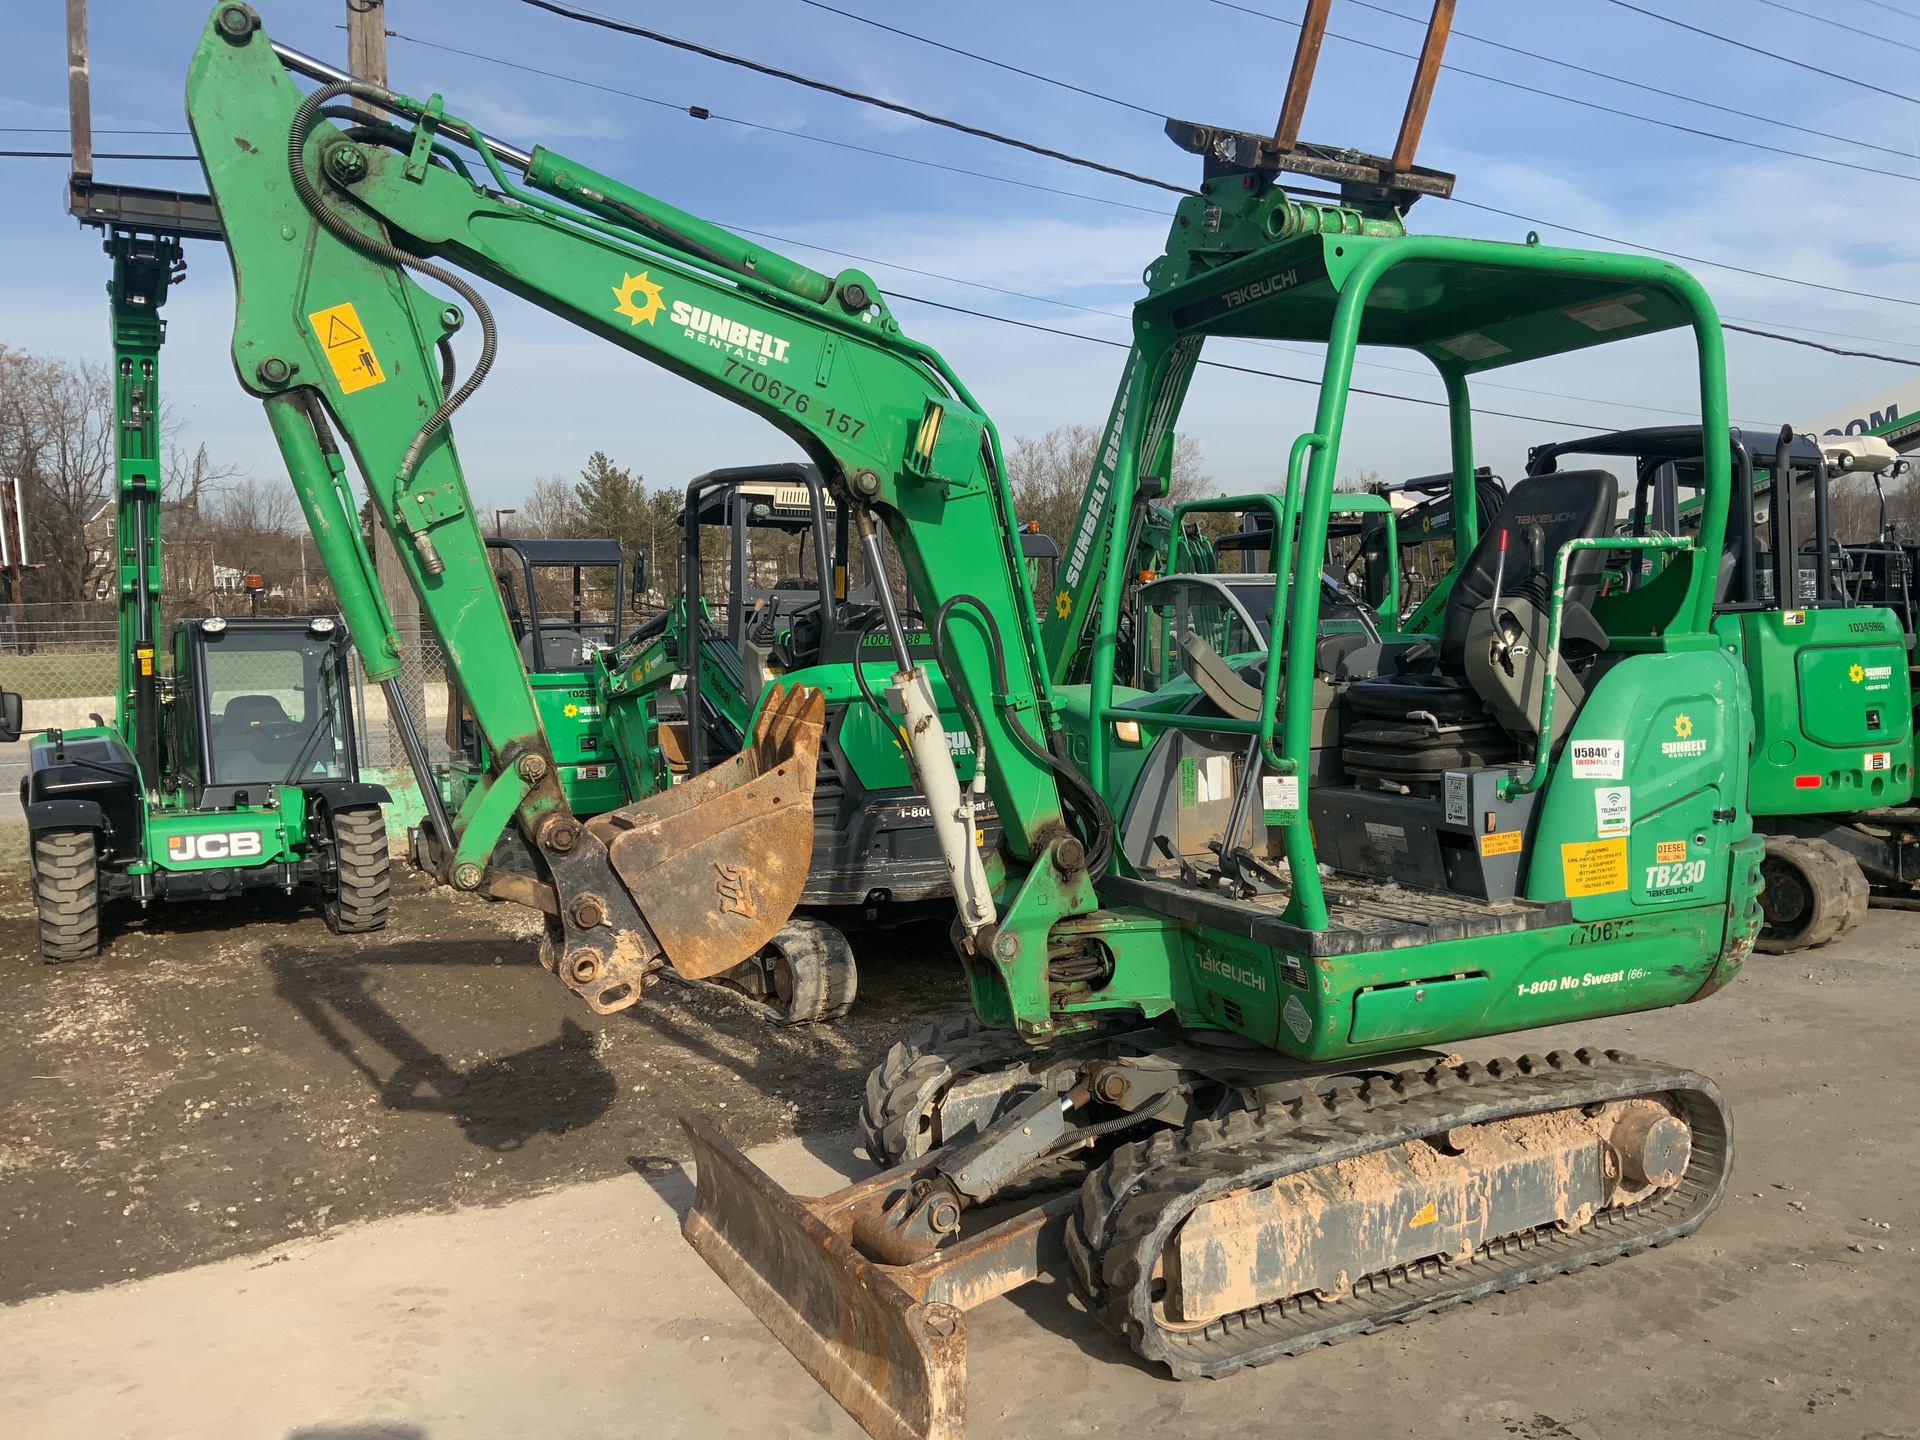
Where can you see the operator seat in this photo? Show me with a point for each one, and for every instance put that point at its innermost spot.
(1410, 727)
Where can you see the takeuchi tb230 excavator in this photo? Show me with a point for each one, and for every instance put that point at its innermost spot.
(1212, 1041)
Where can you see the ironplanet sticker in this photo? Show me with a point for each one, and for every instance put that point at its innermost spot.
(1598, 759)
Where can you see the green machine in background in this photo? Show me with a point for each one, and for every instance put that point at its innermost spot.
(234, 768)
(1831, 774)
(1173, 1069)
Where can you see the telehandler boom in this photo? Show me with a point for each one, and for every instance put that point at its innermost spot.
(1238, 1053)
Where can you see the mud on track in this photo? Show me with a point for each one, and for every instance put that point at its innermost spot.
(227, 1077)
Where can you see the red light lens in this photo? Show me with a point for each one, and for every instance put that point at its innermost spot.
(1806, 782)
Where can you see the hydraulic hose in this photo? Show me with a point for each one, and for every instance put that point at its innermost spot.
(380, 249)
(1079, 796)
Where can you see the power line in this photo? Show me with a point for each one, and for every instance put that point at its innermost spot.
(1640, 85)
(62, 130)
(1118, 315)
(1841, 25)
(1891, 9)
(1571, 100)
(861, 97)
(98, 155)
(986, 59)
(1759, 50)
(1830, 349)
(1240, 369)
(1819, 330)
(1677, 255)
(1609, 239)
(701, 112)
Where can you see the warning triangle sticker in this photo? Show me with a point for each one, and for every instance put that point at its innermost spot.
(339, 332)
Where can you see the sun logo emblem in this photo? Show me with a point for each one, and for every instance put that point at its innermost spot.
(1063, 604)
(649, 306)
(1682, 726)
(570, 711)
(1856, 674)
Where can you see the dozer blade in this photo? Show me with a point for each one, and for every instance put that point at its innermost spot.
(889, 1342)
(717, 863)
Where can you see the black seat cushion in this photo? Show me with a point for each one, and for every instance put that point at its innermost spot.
(1542, 513)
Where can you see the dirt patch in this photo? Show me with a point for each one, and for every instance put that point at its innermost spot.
(228, 1077)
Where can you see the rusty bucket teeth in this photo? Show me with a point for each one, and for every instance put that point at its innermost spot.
(716, 864)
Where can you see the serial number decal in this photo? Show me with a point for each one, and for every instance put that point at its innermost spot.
(748, 377)
(1599, 932)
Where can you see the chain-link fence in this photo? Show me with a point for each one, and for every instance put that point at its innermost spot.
(65, 668)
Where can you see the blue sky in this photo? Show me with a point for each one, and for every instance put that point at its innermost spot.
(556, 395)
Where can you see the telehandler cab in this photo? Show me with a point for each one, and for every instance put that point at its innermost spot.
(1205, 1051)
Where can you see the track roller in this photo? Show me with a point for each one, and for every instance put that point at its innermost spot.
(1814, 894)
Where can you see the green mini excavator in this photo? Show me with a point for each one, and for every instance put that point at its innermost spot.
(1178, 1053)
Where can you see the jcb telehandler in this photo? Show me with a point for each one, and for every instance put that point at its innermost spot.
(231, 764)
(1241, 1075)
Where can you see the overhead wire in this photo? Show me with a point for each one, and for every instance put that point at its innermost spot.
(1609, 239)
(1457, 33)
(1830, 349)
(1569, 99)
(701, 112)
(587, 17)
(98, 155)
(1240, 369)
(1841, 25)
(1761, 50)
(985, 59)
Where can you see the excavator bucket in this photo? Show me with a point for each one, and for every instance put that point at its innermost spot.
(716, 864)
(889, 1342)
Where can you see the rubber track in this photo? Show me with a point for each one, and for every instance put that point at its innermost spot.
(66, 893)
(363, 883)
(1131, 1205)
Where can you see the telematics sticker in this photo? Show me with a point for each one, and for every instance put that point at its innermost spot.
(1597, 867)
(1613, 810)
(1599, 759)
(345, 341)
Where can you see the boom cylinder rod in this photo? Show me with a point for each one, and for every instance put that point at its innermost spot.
(876, 566)
(402, 719)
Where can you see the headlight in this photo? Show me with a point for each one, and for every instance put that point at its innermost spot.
(321, 625)
(214, 624)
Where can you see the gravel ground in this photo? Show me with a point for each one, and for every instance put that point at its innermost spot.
(229, 1077)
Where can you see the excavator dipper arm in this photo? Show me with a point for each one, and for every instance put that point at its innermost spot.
(329, 215)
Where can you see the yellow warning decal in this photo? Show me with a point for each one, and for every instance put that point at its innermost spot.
(1501, 842)
(1426, 1216)
(1596, 867)
(345, 341)
(1670, 852)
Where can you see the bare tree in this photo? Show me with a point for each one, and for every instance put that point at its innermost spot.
(57, 438)
(1050, 474)
(551, 510)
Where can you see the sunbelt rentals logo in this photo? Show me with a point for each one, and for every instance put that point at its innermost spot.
(1684, 744)
(643, 302)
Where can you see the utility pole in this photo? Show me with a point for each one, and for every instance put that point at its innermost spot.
(367, 60)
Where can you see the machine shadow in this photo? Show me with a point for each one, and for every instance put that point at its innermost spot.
(500, 1103)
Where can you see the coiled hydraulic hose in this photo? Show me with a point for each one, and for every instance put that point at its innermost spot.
(380, 249)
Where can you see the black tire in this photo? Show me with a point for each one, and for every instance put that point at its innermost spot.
(66, 892)
(358, 892)
(1808, 896)
(896, 1117)
(1857, 891)
(811, 973)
